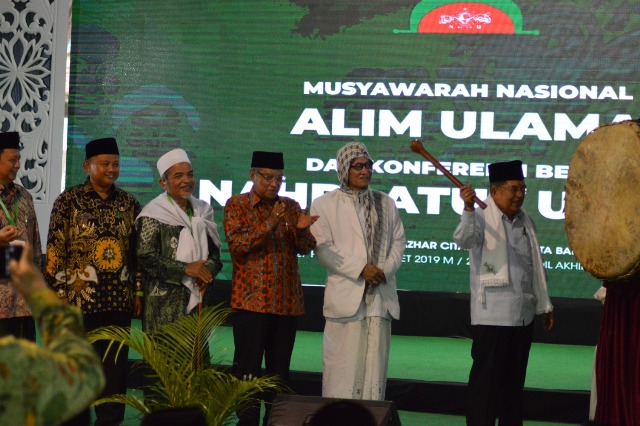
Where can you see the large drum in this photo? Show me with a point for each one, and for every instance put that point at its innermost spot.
(602, 210)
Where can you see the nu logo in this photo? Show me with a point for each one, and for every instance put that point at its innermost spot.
(488, 17)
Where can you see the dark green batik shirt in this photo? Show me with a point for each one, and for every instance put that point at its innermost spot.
(165, 297)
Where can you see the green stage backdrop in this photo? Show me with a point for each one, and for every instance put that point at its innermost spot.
(477, 82)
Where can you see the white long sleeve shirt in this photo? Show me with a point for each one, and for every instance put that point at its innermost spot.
(514, 304)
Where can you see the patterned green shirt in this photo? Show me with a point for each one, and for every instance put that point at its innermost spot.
(165, 297)
(45, 386)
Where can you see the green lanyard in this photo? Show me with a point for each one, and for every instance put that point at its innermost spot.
(189, 212)
(12, 220)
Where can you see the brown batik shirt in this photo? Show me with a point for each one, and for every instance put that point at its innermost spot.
(19, 205)
(266, 277)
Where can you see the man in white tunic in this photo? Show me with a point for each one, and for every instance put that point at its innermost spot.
(508, 286)
(360, 240)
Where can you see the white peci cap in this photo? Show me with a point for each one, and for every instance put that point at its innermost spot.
(170, 158)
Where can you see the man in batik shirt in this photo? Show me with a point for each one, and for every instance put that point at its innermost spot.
(265, 233)
(178, 246)
(91, 258)
(18, 223)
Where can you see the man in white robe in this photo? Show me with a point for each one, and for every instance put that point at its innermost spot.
(360, 240)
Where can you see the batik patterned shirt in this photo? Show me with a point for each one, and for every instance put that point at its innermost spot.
(91, 249)
(19, 205)
(47, 386)
(165, 297)
(266, 277)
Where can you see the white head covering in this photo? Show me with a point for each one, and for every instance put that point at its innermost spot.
(345, 156)
(170, 158)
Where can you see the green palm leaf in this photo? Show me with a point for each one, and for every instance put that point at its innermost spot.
(179, 358)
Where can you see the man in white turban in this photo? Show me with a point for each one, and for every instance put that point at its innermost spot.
(178, 245)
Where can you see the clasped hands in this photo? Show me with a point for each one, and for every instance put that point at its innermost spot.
(373, 275)
(200, 273)
(278, 212)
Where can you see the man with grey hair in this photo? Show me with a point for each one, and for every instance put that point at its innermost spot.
(360, 240)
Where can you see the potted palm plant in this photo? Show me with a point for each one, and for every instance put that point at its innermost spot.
(178, 357)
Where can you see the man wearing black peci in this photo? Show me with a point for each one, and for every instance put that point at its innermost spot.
(508, 286)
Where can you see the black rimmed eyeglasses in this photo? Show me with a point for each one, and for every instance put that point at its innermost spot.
(516, 190)
(368, 165)
(271, 178)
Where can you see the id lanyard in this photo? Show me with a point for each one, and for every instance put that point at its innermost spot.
(12, 220)
(189, 212)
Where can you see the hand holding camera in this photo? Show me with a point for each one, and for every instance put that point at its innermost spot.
(25, 277)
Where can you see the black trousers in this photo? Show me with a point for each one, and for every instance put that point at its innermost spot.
(257, 335)
(496, 381)
(115, 371)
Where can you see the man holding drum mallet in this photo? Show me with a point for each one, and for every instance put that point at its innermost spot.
(508, 286)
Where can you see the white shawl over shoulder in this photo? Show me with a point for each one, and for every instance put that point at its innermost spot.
(495, 263)
(192, 244)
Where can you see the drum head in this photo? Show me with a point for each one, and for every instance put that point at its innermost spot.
(602, 209)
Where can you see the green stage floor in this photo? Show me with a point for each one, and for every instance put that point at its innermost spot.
(434, 359)
(441, 359)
